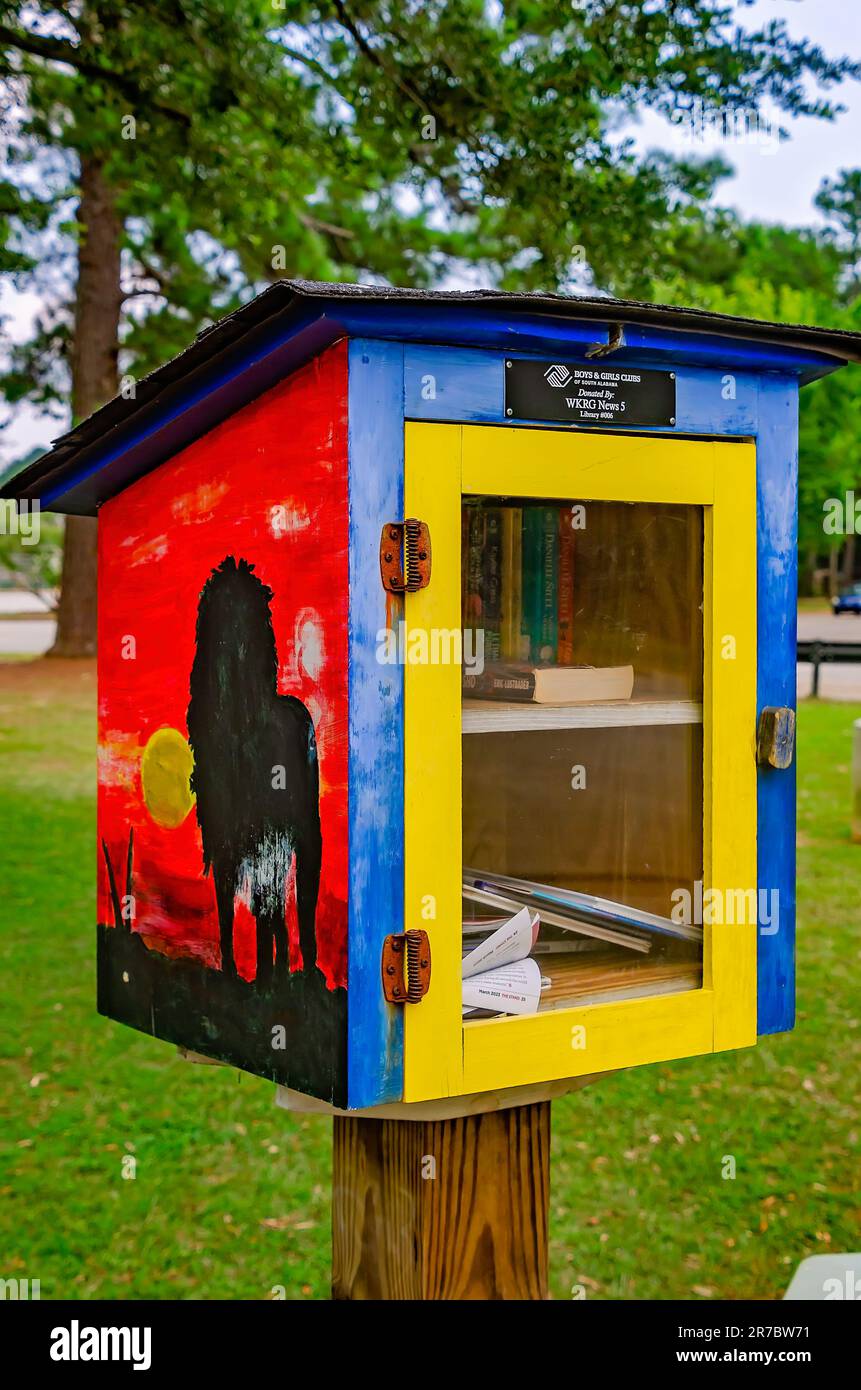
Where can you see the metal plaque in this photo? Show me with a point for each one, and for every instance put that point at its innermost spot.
(569, 393)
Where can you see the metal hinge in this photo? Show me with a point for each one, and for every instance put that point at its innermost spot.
(406, 967)
(405, 556)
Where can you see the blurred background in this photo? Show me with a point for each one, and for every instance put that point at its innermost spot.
(160, 164)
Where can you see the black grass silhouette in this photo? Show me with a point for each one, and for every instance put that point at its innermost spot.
(255, 775)
(121, 919)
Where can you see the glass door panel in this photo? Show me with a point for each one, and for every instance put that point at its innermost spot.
(582, 744)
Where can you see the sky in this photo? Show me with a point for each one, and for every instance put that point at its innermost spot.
(773, 181)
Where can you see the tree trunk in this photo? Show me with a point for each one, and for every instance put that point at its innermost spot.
(848, 564)
(95, 348)
(833, 571)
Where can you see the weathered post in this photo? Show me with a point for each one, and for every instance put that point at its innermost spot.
(442, 1209)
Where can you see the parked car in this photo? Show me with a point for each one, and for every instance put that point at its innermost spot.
(848, 600)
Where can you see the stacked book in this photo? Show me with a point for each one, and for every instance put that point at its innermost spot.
(519, 592)
(518, 567)
(501, 975)
(498, 973)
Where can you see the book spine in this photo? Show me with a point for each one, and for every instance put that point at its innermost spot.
(549, 627)
(464, 567)
(531, 573)
(475, 544)
(491, 583)
(565, 595)
(500, 684)
(512, 592)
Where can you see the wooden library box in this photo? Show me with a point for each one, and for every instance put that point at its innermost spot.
(447, 686)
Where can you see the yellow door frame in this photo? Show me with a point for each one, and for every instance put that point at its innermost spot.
(442, 1056)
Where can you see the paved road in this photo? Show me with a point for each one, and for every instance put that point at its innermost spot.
(835, 682)
(33, 637)
(846, 628)
(30, 637)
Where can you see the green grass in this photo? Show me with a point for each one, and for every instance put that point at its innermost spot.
(231, 1197)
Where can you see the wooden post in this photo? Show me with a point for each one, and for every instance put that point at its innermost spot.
(442, 1209)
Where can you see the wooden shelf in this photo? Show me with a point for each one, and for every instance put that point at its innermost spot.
(605, 977)
(502, 716)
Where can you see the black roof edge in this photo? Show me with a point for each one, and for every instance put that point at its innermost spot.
(218, 340)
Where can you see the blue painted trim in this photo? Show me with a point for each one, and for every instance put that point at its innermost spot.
(542, 334)
(194, 412)
(190, 409)
(777, 581)
(376, 750)
(462, 384)
(467, 387)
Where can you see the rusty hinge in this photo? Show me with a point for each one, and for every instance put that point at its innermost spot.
(405, 556)
(406, 967)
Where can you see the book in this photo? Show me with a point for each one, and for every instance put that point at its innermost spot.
(539, 555)
(583, 910)
(491, 583)
(510, 989)
(476, 928)
(633, 939)
(550, 685)
(512, 941)
(511, 599)
(549, 610)
(464, 566)
(530, 580)
(472, 604)
(565, 591)
(497, 974)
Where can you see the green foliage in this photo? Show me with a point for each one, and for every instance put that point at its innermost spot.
(246, 140)
(840, 200)
(34, 567)
(232, 1197)
(794, 276)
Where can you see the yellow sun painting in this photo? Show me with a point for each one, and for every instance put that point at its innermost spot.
(166, 766)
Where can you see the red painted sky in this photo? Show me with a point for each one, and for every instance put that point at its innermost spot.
(269, 485)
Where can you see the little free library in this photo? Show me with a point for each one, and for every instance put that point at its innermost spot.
(446, 691)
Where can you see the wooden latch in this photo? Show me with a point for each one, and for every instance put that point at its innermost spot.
(406, 967)
(775, 737)
(405, 556)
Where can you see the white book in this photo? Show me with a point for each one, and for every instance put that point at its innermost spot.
(509, 943)
(512, 989)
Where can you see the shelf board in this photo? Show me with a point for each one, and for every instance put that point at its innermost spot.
(604, 977)
(503, 716)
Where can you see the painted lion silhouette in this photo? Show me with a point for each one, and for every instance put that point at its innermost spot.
(255, 775)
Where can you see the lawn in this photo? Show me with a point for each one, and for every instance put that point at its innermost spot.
(230, 1197)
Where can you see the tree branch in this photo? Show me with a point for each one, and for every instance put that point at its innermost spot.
(61, 51)
(315, 225)
(374, 57)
